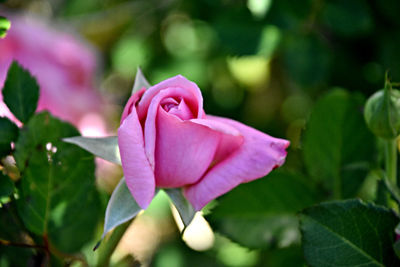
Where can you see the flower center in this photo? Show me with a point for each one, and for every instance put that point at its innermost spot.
(177, 107)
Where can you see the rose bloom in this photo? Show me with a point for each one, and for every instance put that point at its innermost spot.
(166, 140)
(63, 66)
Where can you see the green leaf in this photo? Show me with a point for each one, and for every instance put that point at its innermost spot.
(307, 59)
(12, 230)
(357, 13)
(120, 208)
(5, 25)
(104, 147)
(338, 147)
(20, 92)
(140, 82)
(348, 233)
(57, 194)
(265, 210)
(396, 247)
(238, 37)
(185, 209)
(8, 134)
(291, 257)
(6, 186)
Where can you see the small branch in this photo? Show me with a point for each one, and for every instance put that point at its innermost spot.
(66, 257)
(22, 245)
(46, 244)
(393, 190)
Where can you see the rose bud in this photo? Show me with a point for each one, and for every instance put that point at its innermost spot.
(166, 140)
(382, 112)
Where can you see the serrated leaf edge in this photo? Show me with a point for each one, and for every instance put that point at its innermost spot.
(355, 201)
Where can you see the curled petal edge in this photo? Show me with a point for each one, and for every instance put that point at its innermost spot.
(256, 157)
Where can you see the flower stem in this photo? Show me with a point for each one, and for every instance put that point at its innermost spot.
(391, 160)
(393, 190)
(106, 252)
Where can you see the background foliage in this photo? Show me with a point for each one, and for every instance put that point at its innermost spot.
(300, 70)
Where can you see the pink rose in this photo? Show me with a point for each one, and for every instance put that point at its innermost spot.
(63, 66)
(166, 140)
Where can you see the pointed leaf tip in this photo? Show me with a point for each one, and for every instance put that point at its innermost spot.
(20, 92)
(140, 82)
(120, 208)
(97, 245)
(103, 147)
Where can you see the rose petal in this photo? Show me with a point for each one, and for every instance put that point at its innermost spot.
(137, 170)
(131, 103)
(219, 126)
(184, 150)
(256, 157)
(150, 124)
(182, 111)
(231, 139)
(177, 82)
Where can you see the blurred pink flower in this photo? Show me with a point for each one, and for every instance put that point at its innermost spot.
(63, 66)
(166, 140)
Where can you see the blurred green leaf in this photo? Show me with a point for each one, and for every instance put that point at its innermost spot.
(270, 39)
(291, 256)
(6, 186)
(191, 68)
(348, 18)
(102, 147)
(57, 190)
(12, 230)
(76, 7)
(289, 14)
(306, 58)
(234, 255)
(338, 147)
(389, 55)
(185, 209)
(8, 134)
(10, 226)
(265, 210)
(176, 253)
(120, 208)
(390, 9)
(396, 247)
(5, 25)
(20, 92)
(238, 36)
(128, 54)
(259, 8)
(348, 233)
